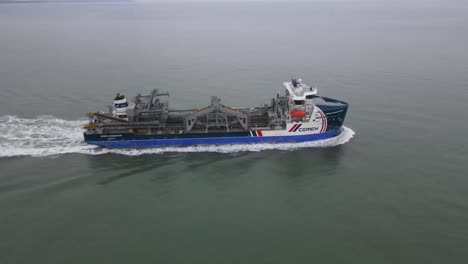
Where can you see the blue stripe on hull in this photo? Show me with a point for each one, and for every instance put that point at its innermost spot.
(213, 141)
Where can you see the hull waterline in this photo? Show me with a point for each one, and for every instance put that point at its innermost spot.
(123, 141)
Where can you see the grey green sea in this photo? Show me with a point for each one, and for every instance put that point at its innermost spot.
(393, 188)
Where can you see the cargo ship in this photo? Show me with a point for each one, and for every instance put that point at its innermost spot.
(297, 115)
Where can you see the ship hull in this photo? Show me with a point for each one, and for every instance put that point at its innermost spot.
(247, 137)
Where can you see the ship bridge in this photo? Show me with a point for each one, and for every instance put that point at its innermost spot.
(299, 91)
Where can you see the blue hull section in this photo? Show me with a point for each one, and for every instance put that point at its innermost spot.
(141, 143)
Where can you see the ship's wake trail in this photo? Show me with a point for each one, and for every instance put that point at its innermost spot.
(50, 136)
(42, 136)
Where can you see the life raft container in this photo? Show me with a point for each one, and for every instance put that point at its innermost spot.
(297, 113)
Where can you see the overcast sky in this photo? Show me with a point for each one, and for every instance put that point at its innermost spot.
(143, 1)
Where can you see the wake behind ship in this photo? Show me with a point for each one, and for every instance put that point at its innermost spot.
(298, 115)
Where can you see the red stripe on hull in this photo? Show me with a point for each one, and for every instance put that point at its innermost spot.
(324, 122)
(292, 128)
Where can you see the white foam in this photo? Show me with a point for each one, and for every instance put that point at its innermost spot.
(49, 136)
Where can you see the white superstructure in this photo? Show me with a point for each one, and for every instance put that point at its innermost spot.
(121, 104)
(299, 91)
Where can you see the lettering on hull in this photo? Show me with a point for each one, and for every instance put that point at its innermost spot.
(308, 129)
